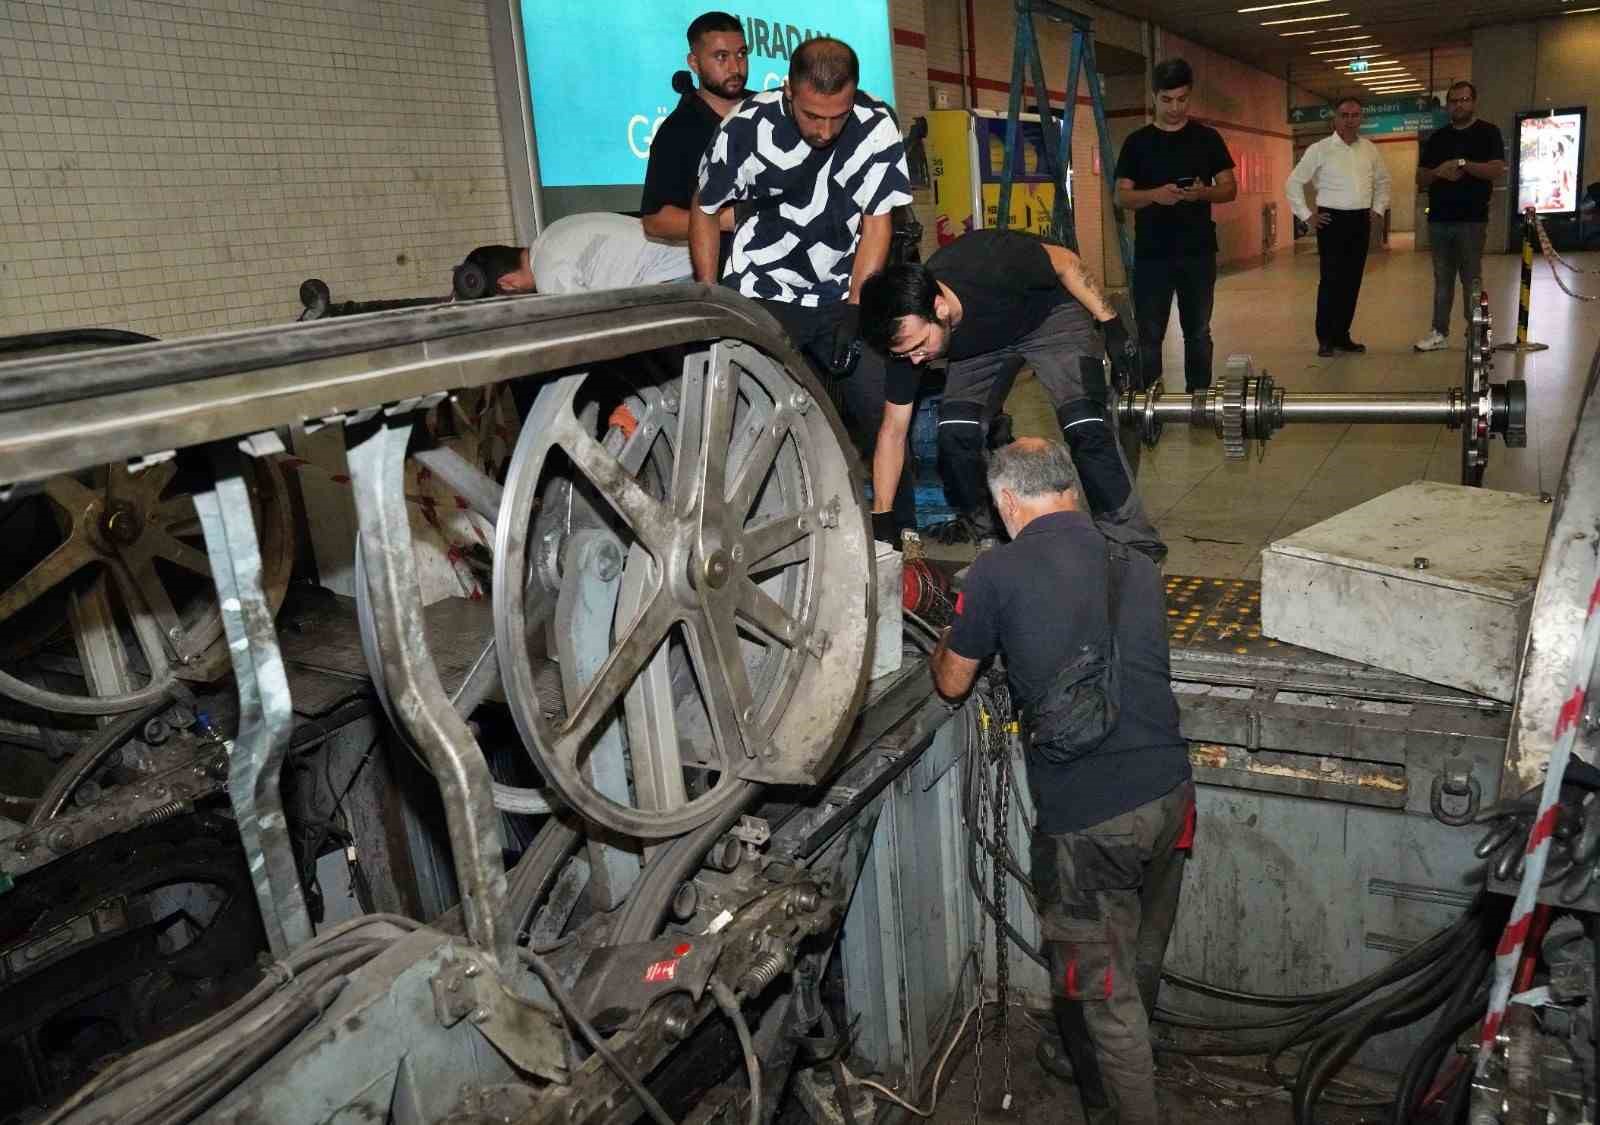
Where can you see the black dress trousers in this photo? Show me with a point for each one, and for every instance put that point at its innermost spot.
(1342, 249)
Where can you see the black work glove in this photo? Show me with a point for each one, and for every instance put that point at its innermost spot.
(1122, 350)
(884, 530)
(846, 349)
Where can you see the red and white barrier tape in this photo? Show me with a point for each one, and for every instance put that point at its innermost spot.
(1509, 951)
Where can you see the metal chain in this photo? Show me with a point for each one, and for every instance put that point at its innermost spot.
(974, 836)
(1553, 258)
(1002, 951)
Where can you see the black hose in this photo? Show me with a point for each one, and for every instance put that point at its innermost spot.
(596, 1042)
(1430, 1056)
(729, 1003)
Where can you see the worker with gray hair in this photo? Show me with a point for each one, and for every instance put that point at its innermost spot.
(1081, 623)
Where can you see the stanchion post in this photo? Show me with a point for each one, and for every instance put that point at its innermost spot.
(1522, 343)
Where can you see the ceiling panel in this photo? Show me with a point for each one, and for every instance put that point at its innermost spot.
(1429, 38)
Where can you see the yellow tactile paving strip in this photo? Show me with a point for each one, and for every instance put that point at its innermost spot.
(1216, 614)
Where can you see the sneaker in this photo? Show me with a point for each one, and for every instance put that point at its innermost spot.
(1432, 342)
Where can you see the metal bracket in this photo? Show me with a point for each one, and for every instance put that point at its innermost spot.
(377, 467)
(527, 1033)
(266, 718)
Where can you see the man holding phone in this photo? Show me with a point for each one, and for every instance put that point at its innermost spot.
(1169, 173)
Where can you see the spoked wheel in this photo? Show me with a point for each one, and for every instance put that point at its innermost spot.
(731, 596)
(120, 555)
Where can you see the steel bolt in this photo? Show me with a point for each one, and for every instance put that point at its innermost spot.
(607, 561)
(23, 845)
(88, 793)
(806, 900)
(1420, 562)
(678, 1021)
(155, 732)
(799, 402)
(479, 1015)
(472, 969)
(750, 713)
(669, 403)
(61, 839)
(738, 552)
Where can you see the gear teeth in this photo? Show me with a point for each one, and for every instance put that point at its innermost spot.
(1234, 384)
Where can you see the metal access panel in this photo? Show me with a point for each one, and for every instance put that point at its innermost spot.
(1432, 580)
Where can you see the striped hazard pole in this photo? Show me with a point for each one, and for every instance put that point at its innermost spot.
(1509, 951)
(1522, 343)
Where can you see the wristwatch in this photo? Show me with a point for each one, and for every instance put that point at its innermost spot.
(1461, 162)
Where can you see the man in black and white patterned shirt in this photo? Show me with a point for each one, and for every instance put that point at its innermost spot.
(813, 171)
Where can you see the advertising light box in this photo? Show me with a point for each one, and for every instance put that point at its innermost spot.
(600, 75)
(1550, 161)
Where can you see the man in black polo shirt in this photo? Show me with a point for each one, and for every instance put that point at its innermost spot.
(992, 301)
(817, 166)
(719, 58)
(1169, 173)
(1116, 820)
(1458, 165)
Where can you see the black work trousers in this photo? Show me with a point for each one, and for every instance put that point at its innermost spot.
(1192, 278)
(1342, 253)
(859, 395)
(1108, 898)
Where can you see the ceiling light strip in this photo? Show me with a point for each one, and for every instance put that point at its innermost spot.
(1349, 52)
(1319, 30)
(1284, 4)
(1303, 19)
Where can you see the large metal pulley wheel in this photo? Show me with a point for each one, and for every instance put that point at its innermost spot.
(119, 554)
(731, 595)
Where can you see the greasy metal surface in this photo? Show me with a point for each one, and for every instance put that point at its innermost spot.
(266, 716)
(377, 458)
(1566, 582)
(59, 414)
(381, 1025)
(1275, 717)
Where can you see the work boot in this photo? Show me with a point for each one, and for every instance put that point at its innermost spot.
(967, 527)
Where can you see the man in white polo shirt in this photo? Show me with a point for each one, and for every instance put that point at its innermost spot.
(1352, 185)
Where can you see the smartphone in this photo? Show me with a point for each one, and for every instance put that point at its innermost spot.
(1186, 182)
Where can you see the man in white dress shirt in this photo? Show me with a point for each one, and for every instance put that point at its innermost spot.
(1352, 185)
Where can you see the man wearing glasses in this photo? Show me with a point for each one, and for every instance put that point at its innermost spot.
(1458, 165)
(991, 302)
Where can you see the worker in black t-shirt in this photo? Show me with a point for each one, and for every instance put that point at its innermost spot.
(990, 302)
(1114, 804)
(719, 58)
(1458, 165)
(1169, 174)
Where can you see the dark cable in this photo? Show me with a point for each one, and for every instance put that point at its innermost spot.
(729, 1003)
(569, 1009)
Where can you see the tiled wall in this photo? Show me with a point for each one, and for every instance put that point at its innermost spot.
(181, 166)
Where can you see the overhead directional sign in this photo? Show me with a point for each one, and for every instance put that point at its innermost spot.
(1311, 114)
(1359, 66)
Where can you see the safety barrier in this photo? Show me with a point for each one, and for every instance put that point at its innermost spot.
(1533, 231)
